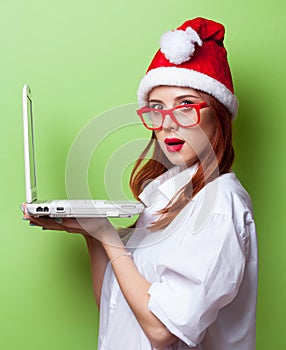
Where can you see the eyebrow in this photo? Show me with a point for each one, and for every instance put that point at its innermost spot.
(176, 98)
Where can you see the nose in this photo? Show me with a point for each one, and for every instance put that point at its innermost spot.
(169, 123)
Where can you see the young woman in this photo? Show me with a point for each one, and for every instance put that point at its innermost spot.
(187, 276)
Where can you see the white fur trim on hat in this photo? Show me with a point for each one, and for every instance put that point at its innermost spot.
(178, 46)
(173, 76)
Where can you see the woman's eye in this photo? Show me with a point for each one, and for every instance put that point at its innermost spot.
(156, 106)
(187, 102)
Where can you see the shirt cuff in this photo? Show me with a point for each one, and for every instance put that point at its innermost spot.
(154, 307)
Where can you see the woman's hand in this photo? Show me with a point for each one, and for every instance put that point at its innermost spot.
(98, 228)
(58, 224)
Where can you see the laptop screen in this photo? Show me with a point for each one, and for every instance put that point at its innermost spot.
(30, 170)
(31, 143)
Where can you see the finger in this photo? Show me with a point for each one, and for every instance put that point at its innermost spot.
(59, 220)
(46, 223)
(23, 207)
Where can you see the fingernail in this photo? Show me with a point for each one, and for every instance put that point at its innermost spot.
(31, 224)
(24, 219)
(59, 220)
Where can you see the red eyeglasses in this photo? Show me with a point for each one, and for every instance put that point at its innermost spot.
(185, 116)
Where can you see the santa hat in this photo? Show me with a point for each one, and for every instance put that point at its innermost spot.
(192, 56)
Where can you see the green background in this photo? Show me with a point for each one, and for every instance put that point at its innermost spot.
(81, 59)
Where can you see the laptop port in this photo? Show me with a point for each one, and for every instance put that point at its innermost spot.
(46, 209)
(39, 209)
(60, 209)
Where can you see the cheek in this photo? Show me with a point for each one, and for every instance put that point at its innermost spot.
(203, 134)
(160, 136)
(198, 140)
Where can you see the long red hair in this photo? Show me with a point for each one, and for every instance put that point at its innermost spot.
(215, 161)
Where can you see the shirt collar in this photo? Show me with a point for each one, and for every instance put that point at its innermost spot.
(168, 184)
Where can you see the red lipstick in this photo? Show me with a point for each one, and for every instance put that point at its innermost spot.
(174, 144)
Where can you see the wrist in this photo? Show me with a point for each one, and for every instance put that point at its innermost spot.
(119, 256)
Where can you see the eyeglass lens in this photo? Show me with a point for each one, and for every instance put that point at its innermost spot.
(184, 116)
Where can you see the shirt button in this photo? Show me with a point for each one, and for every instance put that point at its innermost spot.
(113, 304)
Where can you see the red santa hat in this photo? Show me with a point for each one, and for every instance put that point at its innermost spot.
(192, 56)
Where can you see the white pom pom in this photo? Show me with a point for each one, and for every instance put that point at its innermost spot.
(178, 46)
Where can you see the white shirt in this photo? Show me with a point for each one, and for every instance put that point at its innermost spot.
(202, 269)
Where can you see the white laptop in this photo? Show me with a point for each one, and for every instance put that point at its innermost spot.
(62, 208)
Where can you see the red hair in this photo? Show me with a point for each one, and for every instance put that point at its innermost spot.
(215, 161)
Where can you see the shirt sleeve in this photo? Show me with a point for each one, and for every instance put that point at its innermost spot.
(197, 278)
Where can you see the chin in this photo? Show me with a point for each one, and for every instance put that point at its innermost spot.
(180, 159)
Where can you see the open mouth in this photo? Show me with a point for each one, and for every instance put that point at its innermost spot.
(174, 144)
